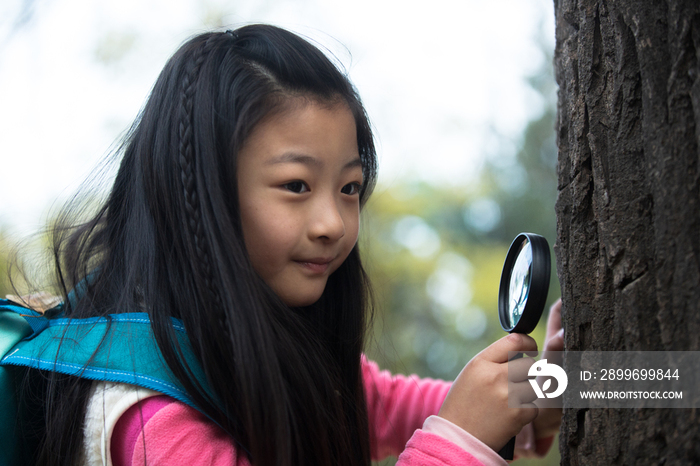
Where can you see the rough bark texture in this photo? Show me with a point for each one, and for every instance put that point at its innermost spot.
(628, 211)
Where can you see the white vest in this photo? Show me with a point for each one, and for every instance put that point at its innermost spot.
(108, 401)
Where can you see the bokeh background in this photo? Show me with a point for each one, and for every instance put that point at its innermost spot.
(461, 95)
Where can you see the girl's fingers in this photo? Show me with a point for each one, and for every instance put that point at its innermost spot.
(518, 369)
(521, 393)
(554, 319)
(515, 342)
(554, 340)
(555, 343)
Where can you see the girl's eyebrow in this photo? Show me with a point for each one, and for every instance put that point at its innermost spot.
(293, 157)
(354, 163)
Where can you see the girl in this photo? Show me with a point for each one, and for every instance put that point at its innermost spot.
(236, 210)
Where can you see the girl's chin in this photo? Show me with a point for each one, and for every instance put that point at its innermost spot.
(301, 290)
(301, 301)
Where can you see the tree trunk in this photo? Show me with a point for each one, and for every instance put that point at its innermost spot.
(628, 210)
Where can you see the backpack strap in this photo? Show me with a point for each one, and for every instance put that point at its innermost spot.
(119, 348)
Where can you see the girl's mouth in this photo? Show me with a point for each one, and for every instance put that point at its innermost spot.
(316, 266)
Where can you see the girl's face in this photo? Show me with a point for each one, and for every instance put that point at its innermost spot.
(299, 176)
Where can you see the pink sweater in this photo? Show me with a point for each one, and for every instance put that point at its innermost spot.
(163, 431)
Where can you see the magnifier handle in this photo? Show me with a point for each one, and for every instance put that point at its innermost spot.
(509, 448)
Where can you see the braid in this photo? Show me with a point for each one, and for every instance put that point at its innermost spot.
(187, 171)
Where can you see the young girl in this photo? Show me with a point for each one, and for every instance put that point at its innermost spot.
(236, 210)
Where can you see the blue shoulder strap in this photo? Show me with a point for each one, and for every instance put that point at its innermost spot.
(118, 348)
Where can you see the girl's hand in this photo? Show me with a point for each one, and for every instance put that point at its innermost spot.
(549, 418)
(478, 399)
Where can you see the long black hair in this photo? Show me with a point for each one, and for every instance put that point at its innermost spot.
(168, 240)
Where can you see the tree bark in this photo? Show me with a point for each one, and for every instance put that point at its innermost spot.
(628, 209)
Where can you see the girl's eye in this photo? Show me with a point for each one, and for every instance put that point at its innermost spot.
(296, 187)
(351, 188)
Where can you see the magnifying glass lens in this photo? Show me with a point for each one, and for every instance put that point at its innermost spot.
(524, 283)
(519, 287)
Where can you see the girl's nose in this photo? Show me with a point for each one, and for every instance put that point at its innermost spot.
(327, 222)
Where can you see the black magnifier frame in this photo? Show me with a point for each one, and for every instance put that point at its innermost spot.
(532, 284)
(537, 283)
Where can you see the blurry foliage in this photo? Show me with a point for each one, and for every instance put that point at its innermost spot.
(25, 265)
(435, 254)
(435, 292)
(5, 286)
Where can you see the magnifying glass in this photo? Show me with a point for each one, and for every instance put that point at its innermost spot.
(523, 292)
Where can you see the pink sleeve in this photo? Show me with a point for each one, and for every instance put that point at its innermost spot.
(172, 434)
(426, 449)
(129, 426)
(397, 406)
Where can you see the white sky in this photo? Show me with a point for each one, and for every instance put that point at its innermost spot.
(438, 79)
